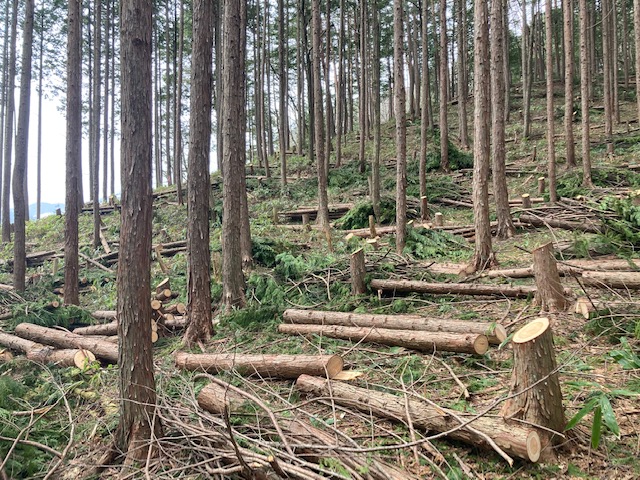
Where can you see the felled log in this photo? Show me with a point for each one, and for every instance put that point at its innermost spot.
(495, 332)
(43, 354)
(104, 315)
(276, 366)
(61, 339)
(556, 223)
(550, 294)
(590, 308)
(513, 438)
(611, 279)
(417, 340)
(178, 308)
(452, 288)
(535, 394)
(110, 328)
(217, 399)
(335, 211)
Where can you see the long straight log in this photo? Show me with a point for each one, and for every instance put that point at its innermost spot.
(217, 399)
(495, 332)
(110, 328)
(452, 288)
(61, 339)
(43, 354)
(104, 315)
(556, 223)
(423, 341)
(276, 366)
(630, 280)
(17, 344)
(513, 438)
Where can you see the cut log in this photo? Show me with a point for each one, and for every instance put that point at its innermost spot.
(165, 294)
(61, 339)
(5, 355)
(591, 308)
(606, 264)
(515, 439)
(452, 288)
(358, 272)
(178, 308)
(79, 358)
(166, 283)
(104, 315)
(275, 366)
(625, 280)
(535, 394)
(417, 340)
(550, 294)
(536, 221)
(102, 329)
(156, 304)
(495, 332)
(216, 399)
(16, 343)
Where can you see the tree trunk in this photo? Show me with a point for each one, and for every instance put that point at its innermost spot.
(245, 228)
(375, 99)
(340, 86)
(200, 328)
(8, 126)
(555, 223)
(323, 202)
(530, 399)
(505, 227)
(451, 288)
(462, 74)
(219, 400)
(274, 366)
(483, 256)
(551, 152)
(167, 94)
(494, 331)
(550, 295)
(282, 92)
(327, 87)
(567, 11)
(234, 145)
(418, 340)
(636, 37)
(95, 120)
(526, 52)
(40, 95)
(401, 125)
(358, 272)
(584, 92)
(607, 69)
(177, 111)
(444, 90)
(105, 119)
(20, 209)
(362, 82)
(518, 440)
(137, 424)
(4, 90)
(112, 159)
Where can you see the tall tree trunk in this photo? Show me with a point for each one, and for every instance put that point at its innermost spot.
(198, 184)
(4, 90)
(39, 154)
(614, 61)
(401, 125)
(526, 71)
(112, 189)
(340, 87)
(362, 82)
(245, 228)
(444, 89)
(234, 145)
(375, 98)
(217, 46)
(462, 75)
(22, 151)
(138, 423)
(607, 69)
(177, 109)
(498, 155)
(624, 10)
(636, 37)
(411, 61)
(300, 76)
(105, 133)
(266, 58)
(323, 201)
(483, 256)
(424, 114)
(584, 91)
(507, 63)
(568, 82)
(167, 95)
(8, 126)
(327, 88)
(73, 150)
(282, 91)
(551, 151)
(157, 116)
(95, 152)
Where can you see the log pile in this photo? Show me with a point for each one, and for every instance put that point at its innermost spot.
(40, 353)
(336, 211)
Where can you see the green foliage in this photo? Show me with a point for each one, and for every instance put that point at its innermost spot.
(570, 184)
(10, 390)
(424, 243)
(265, 250)
(346, 176)
(626, 357)
(294, 267)
(623, 232)
(254, 317)
(358, 216)
(45, 315)
(603, 415)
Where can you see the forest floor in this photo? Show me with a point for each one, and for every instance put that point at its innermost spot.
(48, 413)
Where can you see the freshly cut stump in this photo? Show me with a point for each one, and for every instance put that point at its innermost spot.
(535, 394)
(549, 294)
(276, 366)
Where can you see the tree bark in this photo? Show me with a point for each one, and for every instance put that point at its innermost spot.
(462, 74)
(515, 439)
(358, 272)
(274, 366)
(401, 125)
(623, 280)
(607, 69)
(555, 223)
(584, 93)
(219, 400)
(636, 37)
(444, 89)
(282, 93)
(495, 332)
(551, 151)
(567, 11)
(95, 121)
(418, 340)
(137, 386)
(550, 294)
(535, 394)
(375, 99)
(177, 110)
(452, 288)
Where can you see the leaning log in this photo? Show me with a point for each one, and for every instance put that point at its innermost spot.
(513, 438)
(62, 339)
(276, 366)
(537, 221)
(452, 288)
(423, 341)
(495, 332)
(611, 279)
(535, 396)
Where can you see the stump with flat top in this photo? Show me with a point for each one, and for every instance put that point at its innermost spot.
(550, 294)
(358, 272)
(535, 396)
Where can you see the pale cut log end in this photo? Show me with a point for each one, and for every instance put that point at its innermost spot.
(5, 356)
(154, 337)
(531, 330)
(83, 358)
(534, 446)
(500, 332)
(335, 364)
(481, 344)
(156, 304)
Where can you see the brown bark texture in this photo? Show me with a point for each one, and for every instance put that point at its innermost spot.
(399, 107)
(550, 294)
(522, 291)
(358, 272)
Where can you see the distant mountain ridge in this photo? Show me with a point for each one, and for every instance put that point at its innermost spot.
(45, 209)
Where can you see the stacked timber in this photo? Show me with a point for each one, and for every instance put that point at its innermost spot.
(336, 211)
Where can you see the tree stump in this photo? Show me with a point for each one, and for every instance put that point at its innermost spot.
(424, 208)
(372, 226)
(358, 272)
(541, 186)
(535, 391)
(550, 294)
(438, 220)
(526, 200)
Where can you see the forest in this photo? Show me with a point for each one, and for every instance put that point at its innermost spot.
(313, 239)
